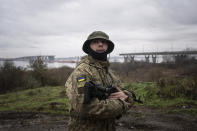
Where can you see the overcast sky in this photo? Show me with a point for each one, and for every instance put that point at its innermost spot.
(59, 27)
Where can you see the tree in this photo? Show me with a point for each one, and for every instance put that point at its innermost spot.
(39, 68)
(11, 77)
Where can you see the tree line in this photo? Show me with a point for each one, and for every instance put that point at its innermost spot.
(14, 78)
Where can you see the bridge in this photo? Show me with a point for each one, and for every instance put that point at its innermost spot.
(178, 55)
(47, 58)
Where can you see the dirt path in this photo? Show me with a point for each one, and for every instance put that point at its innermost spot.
(138, 119)
(146, 119)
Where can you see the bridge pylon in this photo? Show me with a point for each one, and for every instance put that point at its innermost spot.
(147, 58)
(154, 58)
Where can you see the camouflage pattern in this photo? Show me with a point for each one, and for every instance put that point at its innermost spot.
(99, 115)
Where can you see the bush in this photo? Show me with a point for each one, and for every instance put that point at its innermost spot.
(11, 77)
(58, 76)
(39, 68)
(138, 71)
(177, 87)
(14, 78)
(51, 77)
(31, 93)
(155, 74)
(30, 82)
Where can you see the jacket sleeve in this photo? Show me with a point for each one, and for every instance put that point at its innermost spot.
(97, 108)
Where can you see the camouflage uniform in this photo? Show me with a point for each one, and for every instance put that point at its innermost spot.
(99, 115)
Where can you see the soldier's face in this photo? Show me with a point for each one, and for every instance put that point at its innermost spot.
(99, 45)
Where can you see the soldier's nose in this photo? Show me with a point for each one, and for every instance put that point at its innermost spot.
(100, 43)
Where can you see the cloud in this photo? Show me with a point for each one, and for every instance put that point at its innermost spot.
(181, 12)
(29, 27)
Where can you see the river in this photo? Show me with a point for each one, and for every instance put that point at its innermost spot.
(25, 64)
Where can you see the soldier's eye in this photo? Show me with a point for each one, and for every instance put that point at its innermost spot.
(95, 41)
(103, 41)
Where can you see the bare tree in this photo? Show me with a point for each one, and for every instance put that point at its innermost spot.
(39, 68)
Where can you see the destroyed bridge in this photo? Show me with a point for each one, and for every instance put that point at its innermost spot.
(48, 58)
(178, 55)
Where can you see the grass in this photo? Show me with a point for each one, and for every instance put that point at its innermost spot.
(53, 99)
(191, 111)
(45, 99)
(149, 95)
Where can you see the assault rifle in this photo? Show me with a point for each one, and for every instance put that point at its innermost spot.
(91, 90)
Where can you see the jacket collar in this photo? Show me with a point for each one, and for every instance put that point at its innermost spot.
(93, 62)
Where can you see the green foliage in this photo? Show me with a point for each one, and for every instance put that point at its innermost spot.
(30, 82)
(58, 76)
(173, 87)
(144, 90)
(192, 111)
(45, 99)
(153, 95)
(14, 78)
(45, 76)
(39, 68)
(11, 77)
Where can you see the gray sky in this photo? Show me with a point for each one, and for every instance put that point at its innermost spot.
(59, 27)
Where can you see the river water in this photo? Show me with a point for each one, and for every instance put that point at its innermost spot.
(25, 64)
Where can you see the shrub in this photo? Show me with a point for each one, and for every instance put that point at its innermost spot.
(177, 87)
(31, 93)
(14, 78)
(30, 82)
(39, 68)
(155, 74)
(58, 76)
(11, 77)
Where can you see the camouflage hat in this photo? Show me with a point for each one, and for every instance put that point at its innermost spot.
(98, 35)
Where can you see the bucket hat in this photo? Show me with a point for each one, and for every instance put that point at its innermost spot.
(98, 35)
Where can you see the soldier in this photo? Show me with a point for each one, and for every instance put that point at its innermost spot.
(98, 115)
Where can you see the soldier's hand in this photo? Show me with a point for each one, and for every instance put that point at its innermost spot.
(118, 95)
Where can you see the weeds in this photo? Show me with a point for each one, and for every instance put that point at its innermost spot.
(174, 92)
(31, 93)
(177, 87)
(36, 100)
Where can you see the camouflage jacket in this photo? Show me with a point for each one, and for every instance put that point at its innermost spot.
(99, 114)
